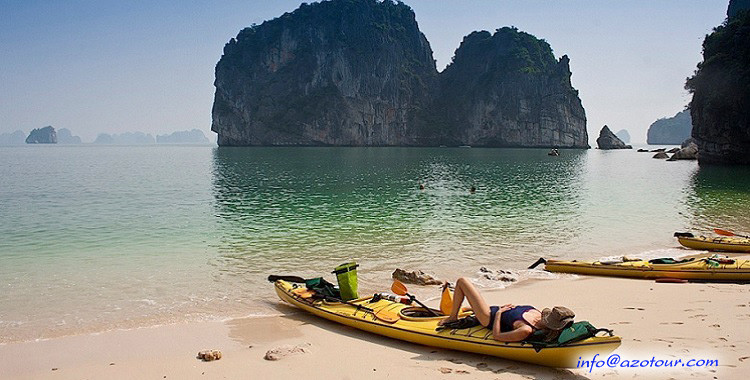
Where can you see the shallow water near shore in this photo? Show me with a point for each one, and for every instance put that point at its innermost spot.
(96, 238)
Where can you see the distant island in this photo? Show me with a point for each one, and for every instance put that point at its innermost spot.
(127, 138)
(360, 73)
(672, 130)
(12, 138)
(623, 135)
(194, 136)
(48, 135)
(64, 136)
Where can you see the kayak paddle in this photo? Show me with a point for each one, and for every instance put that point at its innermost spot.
(728, 233)
(382, 314)
(400, 289)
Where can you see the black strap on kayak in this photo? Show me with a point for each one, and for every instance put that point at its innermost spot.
(536, 264)
(683, 234)
(297, 279)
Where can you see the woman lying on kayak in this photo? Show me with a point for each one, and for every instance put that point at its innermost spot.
(509, 323)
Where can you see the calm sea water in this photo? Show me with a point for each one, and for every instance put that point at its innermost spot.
(95, 238)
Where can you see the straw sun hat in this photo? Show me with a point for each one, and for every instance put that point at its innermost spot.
(557, 318)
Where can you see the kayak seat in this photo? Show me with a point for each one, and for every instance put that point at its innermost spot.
(669, 260)
(419, 313)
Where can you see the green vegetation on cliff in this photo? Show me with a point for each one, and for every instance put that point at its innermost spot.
(720, 108)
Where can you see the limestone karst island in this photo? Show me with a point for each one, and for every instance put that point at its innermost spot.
(360, 73)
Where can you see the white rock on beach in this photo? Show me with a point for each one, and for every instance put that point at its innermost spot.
(284, 351)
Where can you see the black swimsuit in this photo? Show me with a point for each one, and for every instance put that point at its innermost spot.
(509, 317)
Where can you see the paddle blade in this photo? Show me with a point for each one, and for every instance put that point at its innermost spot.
(387, 315)
(446, 301)
(399, 288)
(723, 232)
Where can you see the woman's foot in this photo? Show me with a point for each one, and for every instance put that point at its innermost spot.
(446, 320)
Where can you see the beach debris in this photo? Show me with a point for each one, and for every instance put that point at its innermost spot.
(417, 277)
(445, 370)
(462, 372)
(55, 369)
(284, 351)
(209, 355)
(498, 275)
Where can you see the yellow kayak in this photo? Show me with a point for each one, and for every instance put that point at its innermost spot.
(409, 326)
(720, 243)
(697, 269)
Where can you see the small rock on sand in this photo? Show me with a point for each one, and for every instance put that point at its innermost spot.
(284, 351)
(445, 370)
(209, 355)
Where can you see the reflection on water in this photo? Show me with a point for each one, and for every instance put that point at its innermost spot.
(283, 207)
(720, 197)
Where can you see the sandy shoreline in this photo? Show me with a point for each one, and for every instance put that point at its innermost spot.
(668, 321)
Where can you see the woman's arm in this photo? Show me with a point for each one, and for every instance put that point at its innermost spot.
(516, 335)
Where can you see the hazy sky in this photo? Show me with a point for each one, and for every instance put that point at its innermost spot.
(123, 66)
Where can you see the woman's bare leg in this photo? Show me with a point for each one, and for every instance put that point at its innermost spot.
(465, 289)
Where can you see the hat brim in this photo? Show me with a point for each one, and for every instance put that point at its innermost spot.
(554, 324)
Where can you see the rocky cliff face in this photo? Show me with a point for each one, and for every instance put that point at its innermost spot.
(46, 135)
(720, 108)
(507, 89)
(341, 72)
(671, 130)
(359, 72)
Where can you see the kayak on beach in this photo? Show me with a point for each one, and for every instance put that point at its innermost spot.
(733, 243)
(712, 268)
(398, 319)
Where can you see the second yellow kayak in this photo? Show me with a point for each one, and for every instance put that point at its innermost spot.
(696, 269)
(719, 243)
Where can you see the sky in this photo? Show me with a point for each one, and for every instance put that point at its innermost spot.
(124, 66)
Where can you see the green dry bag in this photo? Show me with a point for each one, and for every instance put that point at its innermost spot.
(346, 275)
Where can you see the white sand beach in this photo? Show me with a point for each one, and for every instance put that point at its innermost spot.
(665, 321)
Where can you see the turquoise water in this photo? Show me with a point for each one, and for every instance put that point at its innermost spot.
(95, 238)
